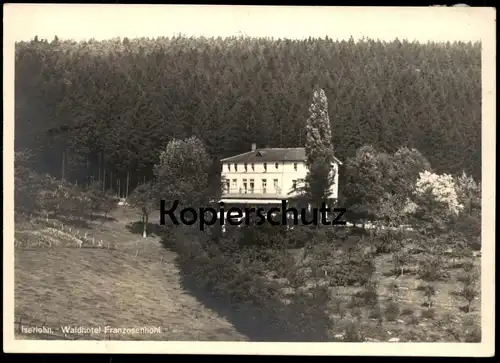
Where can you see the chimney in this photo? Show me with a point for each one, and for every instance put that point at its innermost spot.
(254, 146)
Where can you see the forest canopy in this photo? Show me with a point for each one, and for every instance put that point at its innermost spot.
(105, 109)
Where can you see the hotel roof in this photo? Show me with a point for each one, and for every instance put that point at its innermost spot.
(271, 155)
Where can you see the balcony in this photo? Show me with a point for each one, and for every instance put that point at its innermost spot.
(264, 193)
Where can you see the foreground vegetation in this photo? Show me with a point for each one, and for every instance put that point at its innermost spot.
(273, 290)
(340, 290)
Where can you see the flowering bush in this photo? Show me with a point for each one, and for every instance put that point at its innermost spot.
(442, 188)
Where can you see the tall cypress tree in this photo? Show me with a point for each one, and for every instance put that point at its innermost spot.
(319, 151)
(318, 131)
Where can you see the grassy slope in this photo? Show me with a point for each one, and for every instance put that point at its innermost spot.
(117, 288)
(86, 287)
(449, 317)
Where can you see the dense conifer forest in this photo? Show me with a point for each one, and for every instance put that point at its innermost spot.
(104, 110)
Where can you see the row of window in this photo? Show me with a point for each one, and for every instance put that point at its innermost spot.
(250, 186)
(245, 166)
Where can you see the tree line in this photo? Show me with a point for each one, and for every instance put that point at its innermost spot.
(102, 110)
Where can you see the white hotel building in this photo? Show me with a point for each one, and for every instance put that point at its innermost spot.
(266, 176)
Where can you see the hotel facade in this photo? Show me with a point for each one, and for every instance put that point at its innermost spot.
(266, 176)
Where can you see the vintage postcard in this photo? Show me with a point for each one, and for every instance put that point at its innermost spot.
(249, 180)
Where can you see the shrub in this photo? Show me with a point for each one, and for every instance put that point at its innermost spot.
(338, 305)
(469, 293)
(392, 311)
(369, 294)
(428, 313)
(296, 278)
(469, 290)
(357, 313)
(446, 319)
(413, 319)
(429, 291)
(388, 240)
(400, 259)
(469, 225)
(393, 290)
(473, 334)
(407, 311)
(355, 302)
(235, 275)
(263, 235)
(432, 268)
(352, 333)
(280, 261)
(353, 267)
(299, 236)
(375, 312)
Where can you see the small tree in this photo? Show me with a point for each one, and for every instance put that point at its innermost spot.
(143, 198)
(183, 172)
(96, 196)
(429, 292)
(432, 267)
(400, 259)
(109, 203)
(469, 289)
(364, 182)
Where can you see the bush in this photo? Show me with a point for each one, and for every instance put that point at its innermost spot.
(470, 227)
(235, 275)
(375, 312)
(429, 291)
(392, 311)
(264, 235)
(338, 305)
(352, 268)
(414, 319)
(353, 333)
(400, 260)
(282, 263)
(469, 289)
(387, 240)
(407, 311)
(428, 313)
(369, 295)
(432, 268)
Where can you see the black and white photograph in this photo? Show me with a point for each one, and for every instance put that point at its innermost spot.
(212, 179)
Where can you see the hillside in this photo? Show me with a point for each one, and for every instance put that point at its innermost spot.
(86, 286)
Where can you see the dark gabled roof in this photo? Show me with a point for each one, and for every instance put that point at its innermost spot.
(271, 155)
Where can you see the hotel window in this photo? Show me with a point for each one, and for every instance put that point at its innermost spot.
(275, 184)
(252, 185)
(245, 166)
(229, 167)
(276, 165)
(235, 167)
(294, 184)
(253, 166)
(264, 185)
(295, 166)
(245, 186)
(234, 185)
(265, 166)
(227, 185)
